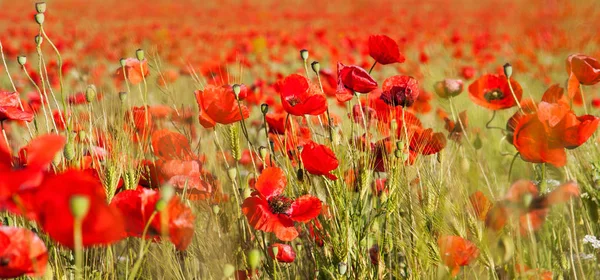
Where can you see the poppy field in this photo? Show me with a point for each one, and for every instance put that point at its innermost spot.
(299, 139)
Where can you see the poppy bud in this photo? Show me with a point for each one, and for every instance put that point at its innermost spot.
(304, 54)
(122, 96)
(216, 209)
(477, 144)
(40, 7)
(69, 151)
(39, 18)
(300, 175)
(254, 258)
(57, 159)
(167, 192)
(398, 154)
(160, 205)
(342, 268)
(508, 70)
(79, 206)
(38, 40)
(236, 90)
(139, 54)
(316, 67)
(264, 108)
(275, 250)
(247, 193)
(123, 62)
(82, 135)
(263, 152)
(228, 270)
(90, 93)
(21, 59)
(232, 173)
(399, 144)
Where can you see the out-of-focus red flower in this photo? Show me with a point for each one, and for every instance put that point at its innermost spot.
(137, 207)
(467, 72)
(299, 97)
(22, 253)
(586, 69)
(533, 274)
(102, 225)
(219, 105)
(171, 145)
(492, 91)
(135, 71)
(285, 253)
(400, 90)
(319, 160)
(10, 108)
(353, 79)
(456, 252)
(270, 211)
(481, 205)
(384, 50)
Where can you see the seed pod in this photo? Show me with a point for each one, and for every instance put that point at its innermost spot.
(236, 90)
(232, 173)
(123, 62)
(38, 40)
(477, 144)
(79, 206)
(21, 59)
(300, 175)
(40, 7)
(90, 93)
(139, 54)
(122, 96)
(316, 67)
(264, 108)
(508, 70)
(304, 54)
(216, 209)
(39, 18)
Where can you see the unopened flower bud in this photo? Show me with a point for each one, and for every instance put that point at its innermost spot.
(342, 268)
(477, 144)
(304, 54)
(263, 151)
(508, 70)
(399, 145)
(316, 67)
(264, 108)
(40, 7)
(246, 193)
(79, 206)
(216, 209)
(300, 175)
(38, 40)
(21, 59)
(69, 151)
(254, 258)
(39, 18)
(232, 173)
(139, 54)
(90, 93)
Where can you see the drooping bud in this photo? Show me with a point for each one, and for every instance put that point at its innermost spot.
(236, 90)
(304, 54)
(264, 108)
(39, 18)
(90, 93)
(21, 59)
(316, 67)
(254, 258)
(508, 70)
(40, 7)
(38, 40)
(139, 54)
(79, 206)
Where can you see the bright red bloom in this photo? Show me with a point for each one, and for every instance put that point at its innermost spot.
(270, 211)
(456, 252)
(102, 225)
(134, 70)
(384, 50)
(21, 253)
(319, 160)
(299, 97)
(285, 253)
(219, 105)
(586, 69)
(493, 92)
(137, 207)
(10, 108)
(353, 79)
(400, 90)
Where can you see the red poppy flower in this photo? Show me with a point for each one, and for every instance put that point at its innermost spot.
(285, 253)
(10, 108)
(171, 145)
(319, 160)
(134, 70)
(586, 69)
(493, 92)
(299, 97)
(456, 252)
(481, 205)
(426, 142)
(218, 105)
(137, 207)
(21, 253)
(353, 79)
(384, 50)
(524, 200)
(103, 224)
(268, 210)
(400, 90)
(142, 121)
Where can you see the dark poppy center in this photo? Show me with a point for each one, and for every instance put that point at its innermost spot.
(4, 261)
(398, 96)
(494, 94)
(293, 100)
(280, 204)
